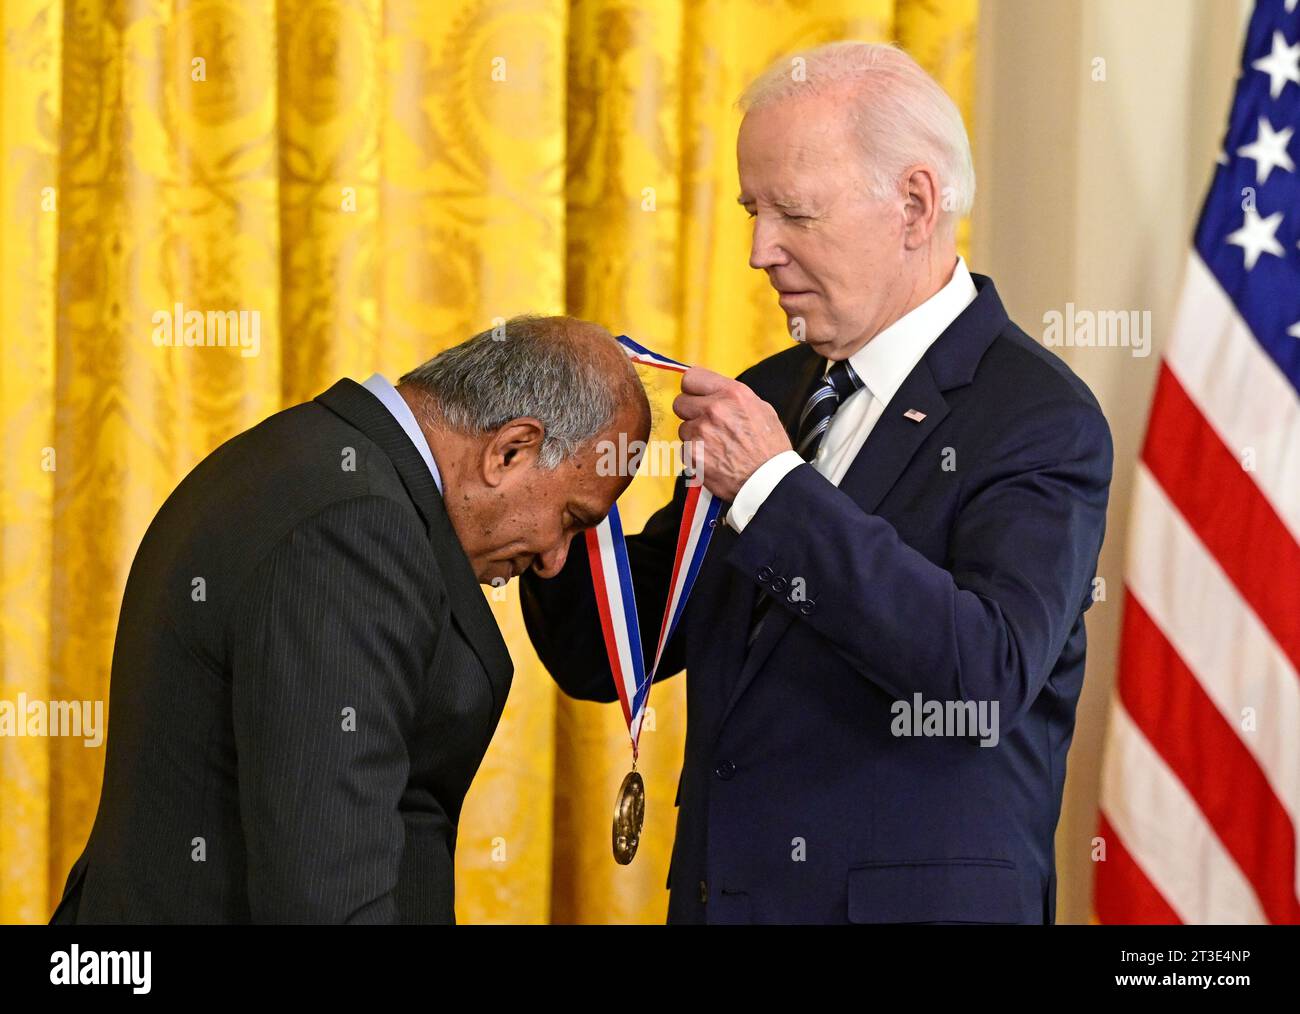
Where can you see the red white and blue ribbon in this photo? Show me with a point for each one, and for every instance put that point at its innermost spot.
(640, 354)
(611, 577)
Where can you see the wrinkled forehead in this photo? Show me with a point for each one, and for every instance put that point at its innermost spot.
(793, 144)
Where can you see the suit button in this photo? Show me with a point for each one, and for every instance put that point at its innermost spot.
(704, 892)
(764, 573)
(779, 585)
(725, 770)
(807, 608)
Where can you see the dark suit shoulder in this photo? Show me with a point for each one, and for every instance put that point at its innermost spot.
(1026, 408)
(287, 468)
(237, 504)
(1031, 374)
(311, 456)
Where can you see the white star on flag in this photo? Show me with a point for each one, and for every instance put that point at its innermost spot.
(1258, 236)
(1290, 6)
(1269, 150)
(1281, 65)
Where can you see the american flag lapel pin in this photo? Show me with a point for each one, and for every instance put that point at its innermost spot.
(914, 414)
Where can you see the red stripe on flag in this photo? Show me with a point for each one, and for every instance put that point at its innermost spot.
(1229, 514)
(1182, 724)
(1122, 893)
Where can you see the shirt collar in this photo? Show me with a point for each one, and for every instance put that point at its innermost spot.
(401, 411)
(884, 362)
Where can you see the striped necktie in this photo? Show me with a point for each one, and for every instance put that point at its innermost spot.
(840, 381)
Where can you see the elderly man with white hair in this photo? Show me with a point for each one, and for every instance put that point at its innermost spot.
(886, 640)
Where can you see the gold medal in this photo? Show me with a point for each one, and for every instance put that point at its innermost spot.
(629, 814)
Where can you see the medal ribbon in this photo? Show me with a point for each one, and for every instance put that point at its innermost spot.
(611, 576)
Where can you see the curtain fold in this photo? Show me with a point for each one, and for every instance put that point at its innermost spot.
(369, 181)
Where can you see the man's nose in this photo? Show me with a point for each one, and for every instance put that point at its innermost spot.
(764, 250)
(551, 562)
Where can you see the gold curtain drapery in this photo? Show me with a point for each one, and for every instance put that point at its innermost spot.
(374, 180)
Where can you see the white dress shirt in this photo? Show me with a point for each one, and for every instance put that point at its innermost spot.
(883, 363)
(401, 411)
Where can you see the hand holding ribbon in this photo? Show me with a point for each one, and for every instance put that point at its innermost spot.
(730, 429)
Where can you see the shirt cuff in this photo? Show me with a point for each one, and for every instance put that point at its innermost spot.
(758, 487)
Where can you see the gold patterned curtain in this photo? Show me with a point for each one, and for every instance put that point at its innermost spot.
(375, 180)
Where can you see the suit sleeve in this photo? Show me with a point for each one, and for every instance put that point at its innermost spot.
(328, 641)
(562, 621)
(991, 623)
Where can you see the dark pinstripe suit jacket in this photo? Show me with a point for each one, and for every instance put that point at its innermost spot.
(305, 679)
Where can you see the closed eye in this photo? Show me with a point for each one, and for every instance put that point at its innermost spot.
(787, 215)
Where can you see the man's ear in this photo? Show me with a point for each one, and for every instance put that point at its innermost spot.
(515, 445)
(921, 206)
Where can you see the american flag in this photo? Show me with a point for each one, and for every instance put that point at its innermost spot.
(1200, 795)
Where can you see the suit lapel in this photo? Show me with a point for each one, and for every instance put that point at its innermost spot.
(950, 362)
(469, 608)
(895, 439)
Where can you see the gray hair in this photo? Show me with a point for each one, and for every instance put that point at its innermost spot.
(901, 114)
(528, 366)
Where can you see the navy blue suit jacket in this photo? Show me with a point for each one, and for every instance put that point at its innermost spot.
(954, 560)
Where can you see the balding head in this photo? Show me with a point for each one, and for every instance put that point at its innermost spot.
(514, 417)
(569, 374)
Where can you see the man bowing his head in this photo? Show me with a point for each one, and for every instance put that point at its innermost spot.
(306, 674)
